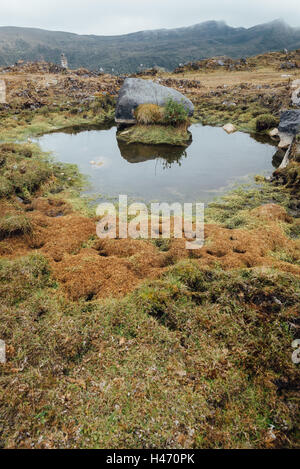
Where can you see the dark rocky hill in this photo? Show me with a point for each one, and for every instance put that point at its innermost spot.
(165, 48)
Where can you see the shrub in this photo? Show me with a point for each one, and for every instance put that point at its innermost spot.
(265, 122)
(149, 114)
(175, 113)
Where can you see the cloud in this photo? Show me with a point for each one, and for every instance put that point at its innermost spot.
(124, 16)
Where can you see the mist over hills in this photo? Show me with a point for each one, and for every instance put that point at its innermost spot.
(164, 47)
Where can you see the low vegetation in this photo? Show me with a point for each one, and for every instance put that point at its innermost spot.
(159, 125)
(142, 344)
(156, 135)
(266, 122)
(149, 114)
(173, 365)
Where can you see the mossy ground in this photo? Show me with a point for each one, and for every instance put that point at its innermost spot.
(49, 119)
(156, 135)
(141, 344)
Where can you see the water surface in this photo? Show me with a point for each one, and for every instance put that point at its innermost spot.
(212, 163)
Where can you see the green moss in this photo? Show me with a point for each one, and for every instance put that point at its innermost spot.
(155, 135)
(36, 123)
(14, 225)
(188, 273)
(266, 122)
(25, 169)
(22, 277)
(232, 210)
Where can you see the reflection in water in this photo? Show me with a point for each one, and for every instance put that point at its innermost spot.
(139, 153)
(206, 168)
(77, 129)
(278, 157)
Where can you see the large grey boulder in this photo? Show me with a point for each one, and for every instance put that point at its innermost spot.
(136, 91)
(290, 122)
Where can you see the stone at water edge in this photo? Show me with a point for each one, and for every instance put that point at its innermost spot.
(285, 140)
(274, 133)
(136, 91)
(229, 128)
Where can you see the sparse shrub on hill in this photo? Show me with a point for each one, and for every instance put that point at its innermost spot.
(265, 122)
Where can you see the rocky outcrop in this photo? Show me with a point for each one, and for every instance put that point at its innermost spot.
(290, 122)
(136, 91)
(296, 97)
(296, 93)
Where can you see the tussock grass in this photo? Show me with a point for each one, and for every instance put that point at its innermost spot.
(266, 122)
(149, 114)
(14, 225)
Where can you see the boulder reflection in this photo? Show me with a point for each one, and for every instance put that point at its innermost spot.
(139, 153)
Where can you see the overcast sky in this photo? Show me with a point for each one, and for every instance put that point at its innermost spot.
(104, 17)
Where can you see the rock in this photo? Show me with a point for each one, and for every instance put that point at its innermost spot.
(295, 84)
(229, 128)
(229, 104)
(285, 140)
(136, 91)
(296, 97)
(2, 92)
(289, 122)
(288, 65)
(274, 133)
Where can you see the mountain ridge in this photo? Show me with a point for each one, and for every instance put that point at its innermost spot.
(161, 47)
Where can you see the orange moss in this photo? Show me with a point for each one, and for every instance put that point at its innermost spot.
(87, 267)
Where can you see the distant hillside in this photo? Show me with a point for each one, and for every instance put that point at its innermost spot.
(165, 48)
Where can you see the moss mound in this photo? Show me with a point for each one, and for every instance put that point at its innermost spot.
(156, 135)
(266, 122)
(149, 114)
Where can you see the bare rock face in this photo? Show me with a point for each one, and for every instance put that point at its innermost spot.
(290, 122)
(136, 91)
(296, 97)
(285, 140)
